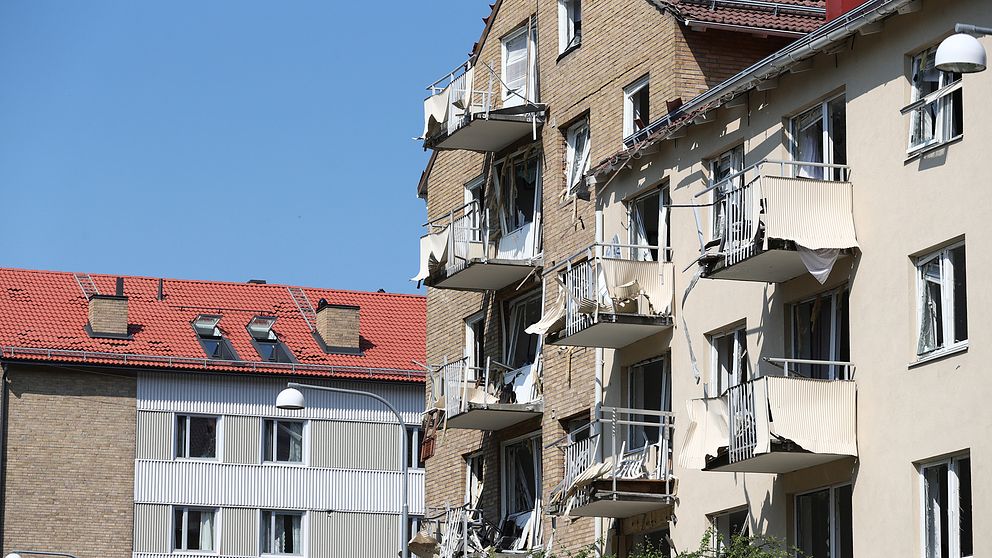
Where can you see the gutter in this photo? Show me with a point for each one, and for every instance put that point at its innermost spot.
(770, 67)
(698, 25)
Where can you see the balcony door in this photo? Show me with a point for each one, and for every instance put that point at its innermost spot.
(519, 66)
(824, 523)
(821, 331)
(522, 348)
(648, 226)
(649, 387)
(819, 135)
(521, 465)
(728, 163)
(519, 187)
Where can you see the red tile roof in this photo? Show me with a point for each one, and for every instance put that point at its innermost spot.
(777, 15)
(43, 315)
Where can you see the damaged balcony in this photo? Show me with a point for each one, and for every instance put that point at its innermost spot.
(776, 220)
(490, 398)
(463, 113)
(464, 531)
(631, 481)
(776, 424)
(621, 294)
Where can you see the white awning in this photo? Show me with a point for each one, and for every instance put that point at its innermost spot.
(433, 253)
(706, 433)
(815, 214)
(625, 279)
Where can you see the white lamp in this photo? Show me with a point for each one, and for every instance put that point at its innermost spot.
(290, 399)
(961, 53)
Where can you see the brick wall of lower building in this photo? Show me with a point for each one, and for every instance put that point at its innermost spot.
(69, 462)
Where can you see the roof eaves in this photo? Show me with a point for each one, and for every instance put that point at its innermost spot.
(477, 50)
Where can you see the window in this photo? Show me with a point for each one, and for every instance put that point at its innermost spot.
(577, 154)
(194, 529)
(524, 347)
(519, 71)
(819, 135)
(947, 523)
(823, 523)
(942, 287)
(636, 107)
(728, 525)
(519, 185)
(648, 225)
(727, 164)
(265, 340)
(729, 357)
(474, 204)
(413, 447)
(569, 24)
(474, 343)
(650, 388)
(196, 437)
(936, 114)
(212, 339)
(473, 480)
(821, 331)
(521, 490)
(281, 532)
(655, 544)
(283, 441)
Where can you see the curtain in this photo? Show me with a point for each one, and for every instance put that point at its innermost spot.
(639, 235)
(930, 310)
(579, 162)
(809, 142)
(295, 432)
(206, 530)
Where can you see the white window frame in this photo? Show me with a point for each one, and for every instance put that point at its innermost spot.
(473, 360)
(832, 518)
(634, 393)
(946, 300)
(477, 458)
(473, 191)
(214, 525)
(833, 298)
(629, 93)
(514, 306)
(716, 538)
(947, 85)
(535, 439)
(568, 16)
(577, 160)
(527, 95)
(304, 445)
(664, 228)
(727, 163)
(218, 441)
(828, 149)
(953, 511)
(515, 159)
(264, 544)
(739, 335)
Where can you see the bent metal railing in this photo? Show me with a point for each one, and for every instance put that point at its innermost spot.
(464, 98)
(467, 228)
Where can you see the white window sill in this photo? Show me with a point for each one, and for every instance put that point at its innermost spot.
(961, 347)
(917, 152)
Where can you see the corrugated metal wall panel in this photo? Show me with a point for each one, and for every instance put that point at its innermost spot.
(250, 396)
(242, 436)
(239, 532)
(355, 445)
(154, 435)
(353, 535)
(203, 483)
(151, 528)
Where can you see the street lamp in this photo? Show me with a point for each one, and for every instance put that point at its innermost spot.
(961, 52)
(292, 399)
(19, 553)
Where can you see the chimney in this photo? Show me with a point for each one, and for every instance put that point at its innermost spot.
(337, 325)
(160, 295)
(837, 8)
(108, 313)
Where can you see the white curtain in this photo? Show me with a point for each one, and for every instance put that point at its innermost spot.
(809, 142)
(206, 530)
(639, 235)
(579, 162)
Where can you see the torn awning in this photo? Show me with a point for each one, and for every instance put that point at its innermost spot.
(553, 318)
(625, 279)
(815, 214)
(433, 253)
(707, 431)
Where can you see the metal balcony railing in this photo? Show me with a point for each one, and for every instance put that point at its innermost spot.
(461, 95)
(465, 230)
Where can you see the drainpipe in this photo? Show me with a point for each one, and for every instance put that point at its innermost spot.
(598, 388)
(3, 445)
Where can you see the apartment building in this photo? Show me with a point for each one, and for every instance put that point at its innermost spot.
(549, 88)
(139, 417)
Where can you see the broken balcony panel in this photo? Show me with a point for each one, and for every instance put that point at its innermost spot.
(486, 398)
(614, 299)
(777, 220)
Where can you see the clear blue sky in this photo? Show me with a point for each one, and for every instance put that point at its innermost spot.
(222, 139)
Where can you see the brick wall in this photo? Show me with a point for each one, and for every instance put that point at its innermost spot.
(69, 462)
(338, 326)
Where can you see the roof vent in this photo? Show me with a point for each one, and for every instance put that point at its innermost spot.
(108, 314)
(256, 281)
(338, 328)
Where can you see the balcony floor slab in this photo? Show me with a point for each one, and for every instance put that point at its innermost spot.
(633, 497)
(614, 331)
(479, 275)
(496, 416)
(777, 461)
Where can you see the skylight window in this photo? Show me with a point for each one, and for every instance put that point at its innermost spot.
(212, 339)
(265, 340)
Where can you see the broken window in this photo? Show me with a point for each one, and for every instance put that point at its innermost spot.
(728, 525)
(577, 154)
(821, 331)
(729, 357)
(636, 107)
(942, 287)
(518, 180)
(648, 225)
(727, 164)
(823, 523)
(819, 135)
(936, 114)
(473, 480)
(519, 66)
(521, 528)
(650, 388)
(474, 349)
(524, 347)
(569, 24)
(655, 544)
(947, 522)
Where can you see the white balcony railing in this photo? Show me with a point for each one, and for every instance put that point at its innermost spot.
(456, 96)
(462, 386)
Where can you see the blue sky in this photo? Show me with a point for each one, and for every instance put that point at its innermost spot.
(223, 140)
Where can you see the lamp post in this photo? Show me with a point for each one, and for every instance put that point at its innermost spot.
(961, 52)
(19, 553)
(292, 398)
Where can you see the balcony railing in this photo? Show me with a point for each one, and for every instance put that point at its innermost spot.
(486, 398)
(774, 205)
(628, 482)
(619, 294)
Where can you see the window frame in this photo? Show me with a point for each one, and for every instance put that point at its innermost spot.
(944, 97)
(948, 309)
(224, 345)
(471, 460)
(507, 192)
(572, 155)
(832, 518)
(214, 525)
(535, 439)
(528, 96)
(474, 343)
(735, 164)
(664, 240)
(512, 337)
(632, 396)
(833, 298)
(828, 144)
(953, 495)
(569, 26)
(304, 445)
(742, 365)
(184, 455)
(264, 548)
(629, 92)
(716, 540)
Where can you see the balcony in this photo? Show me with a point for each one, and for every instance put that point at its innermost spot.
(629, 483)
(775, 424)
(475, 398)
(777, 220)
(464, 531)
(462, 113)
(459, 253)
(616, 297)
